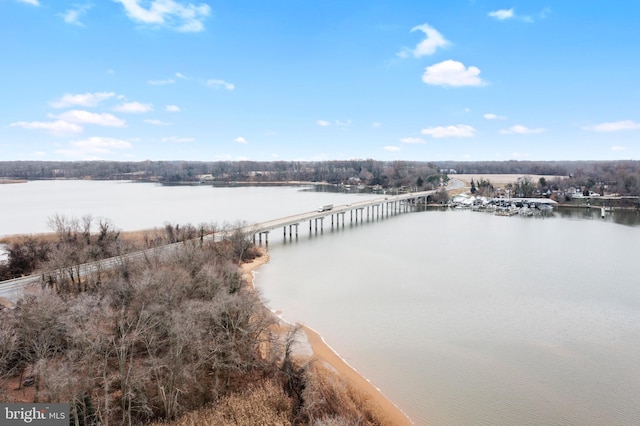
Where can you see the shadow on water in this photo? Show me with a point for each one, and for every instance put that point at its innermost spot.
(626, 217)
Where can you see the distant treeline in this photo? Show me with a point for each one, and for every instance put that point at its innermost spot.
(623, 175)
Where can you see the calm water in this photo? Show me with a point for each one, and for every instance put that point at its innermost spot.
(467, 318)
(25, 208)
(461, 318)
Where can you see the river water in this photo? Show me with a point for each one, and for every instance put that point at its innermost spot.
(26, 207)
(461, 318)
(466, 318)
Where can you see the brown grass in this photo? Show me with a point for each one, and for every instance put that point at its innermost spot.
(262, 404)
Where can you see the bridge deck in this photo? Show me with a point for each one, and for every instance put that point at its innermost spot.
(340, 209)
(9, 289)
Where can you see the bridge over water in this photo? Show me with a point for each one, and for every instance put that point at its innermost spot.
(359, 211)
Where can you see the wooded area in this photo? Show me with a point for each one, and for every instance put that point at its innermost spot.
(623, 177)
(159, 337)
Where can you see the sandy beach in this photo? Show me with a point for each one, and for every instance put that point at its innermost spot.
(324, 353)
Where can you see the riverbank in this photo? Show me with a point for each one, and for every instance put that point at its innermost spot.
(322, 352)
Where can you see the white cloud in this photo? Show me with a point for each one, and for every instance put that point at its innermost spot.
(134, 107)
(502, 14)
(172, 108)
(323, 123)
(157, 122)
(162, 82)
(614, 126)
(240, 139)
(99, 144)
(72, 16)
(618, 148)
(520, 130)
(457, 131)
(57, 128)
(491, 116)
(180, 75)
(169, 13)
(219, 84)
(82, 99)
(452, 73)
(31, 2)
(412, 140)
(376, 124)
(343, 123)
(391, 148)
(429, 45)
(177, 139)
(92, 147)
(86, 117)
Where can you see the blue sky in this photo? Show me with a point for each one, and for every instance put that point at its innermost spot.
(208, 80)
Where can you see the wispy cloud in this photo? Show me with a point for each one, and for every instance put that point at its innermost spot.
(376, 124)
(86, 117)
(180, 16)
(82, 99)
(172, 108)
(177, 139)
(72, 16)
(162, 82)
(56, 128)
(240, 139)
(343, 123)
(614, 126)
(618, 148)
(457, 131)
(519, 129)
(31, 2)
(452, 73)
(157, 122)
(93, 147)
(221, 84)
(491, 116)
(180, 75)
(502, 14)
(323, 123)
(411, 140)
(391, 148)
(428, 46)
(134, 107)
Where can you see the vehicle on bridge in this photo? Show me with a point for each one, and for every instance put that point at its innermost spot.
(325, 208)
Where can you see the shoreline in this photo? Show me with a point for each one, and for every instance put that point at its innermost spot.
(324, 353)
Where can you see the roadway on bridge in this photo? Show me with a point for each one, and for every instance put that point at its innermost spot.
(11, 289)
